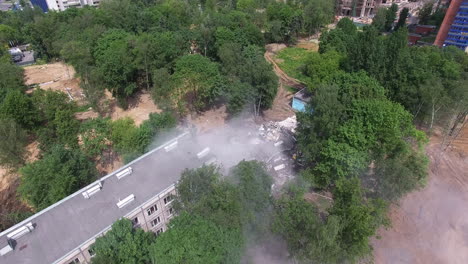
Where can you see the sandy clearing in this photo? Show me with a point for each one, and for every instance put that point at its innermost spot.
(57, 77)
(37, 74)
(208, 120)
(140, 106)
(431, 225)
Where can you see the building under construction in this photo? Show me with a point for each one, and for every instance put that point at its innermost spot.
(358, 8)
(454, 28)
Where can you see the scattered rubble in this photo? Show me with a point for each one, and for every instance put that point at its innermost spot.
(272, 131)
(281, 164)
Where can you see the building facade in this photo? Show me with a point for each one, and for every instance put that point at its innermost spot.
(61, 5)
(454, 28)
(358, 8)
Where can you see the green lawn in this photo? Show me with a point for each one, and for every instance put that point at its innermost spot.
(291, 60)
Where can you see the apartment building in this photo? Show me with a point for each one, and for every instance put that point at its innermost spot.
(61, 5)
(454, 28)
(141, 191)
(358, 8)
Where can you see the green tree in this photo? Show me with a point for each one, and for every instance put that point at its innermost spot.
(322, 67)
(197, 82)
(380, 19)
(337, 40)
(124, 134)
(7, 34)
(156, 126)
(203, 193)
(194, 185)
(13, 140)
(11, 78)
(284, 22)
(309, 238)
(254, 185)
(56, 116)
(390, 16)
(95, 136)
(317, 13)
(402, 20)
(360, 219)
(123, 244)
(192, 238)
(401, 172)
(153, 51)
(259, 74)
(162, 88)
(61, 172)
(347, 25)
(114, 61)
(425, 12)
(19, 107)
(329, 110)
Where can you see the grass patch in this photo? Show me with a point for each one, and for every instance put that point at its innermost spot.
(83, 108)
(291, 61)
(428, 39)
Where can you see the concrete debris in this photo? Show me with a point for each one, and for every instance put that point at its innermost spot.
(289, 123)
(279, 167)
(272, 131)
(211, 161)
(203, 153)
(279, 143)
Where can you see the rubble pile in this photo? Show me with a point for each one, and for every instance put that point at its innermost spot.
(272, 131)
(281, 134)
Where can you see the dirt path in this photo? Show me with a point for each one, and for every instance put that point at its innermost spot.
(431, 225)
(281, 108)
(271, 50)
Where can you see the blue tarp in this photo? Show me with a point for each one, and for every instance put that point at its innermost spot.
(298, 105)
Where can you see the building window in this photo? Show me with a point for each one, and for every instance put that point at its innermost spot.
(168, 199)
(91, 252)
(75, 261)
(152, 210)
(159, 231)
(171, 211)
(155, 222)
(135, 221)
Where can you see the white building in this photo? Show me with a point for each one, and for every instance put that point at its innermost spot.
(61, 5)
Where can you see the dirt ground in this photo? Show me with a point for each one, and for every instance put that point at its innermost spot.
(208, 120)
(281, 108)
(7, 176)
(309, 44)
(57, 77)
(140, 106)
(431, 225)
(9, 181)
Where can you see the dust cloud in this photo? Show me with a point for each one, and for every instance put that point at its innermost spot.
(430, 225)
(243, 139)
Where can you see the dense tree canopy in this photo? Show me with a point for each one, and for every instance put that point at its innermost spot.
(61, 172)
(197, 240)
(216, 217)
(123, 244)
(13, 140)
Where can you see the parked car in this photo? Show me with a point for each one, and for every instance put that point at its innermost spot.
(16, 54)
